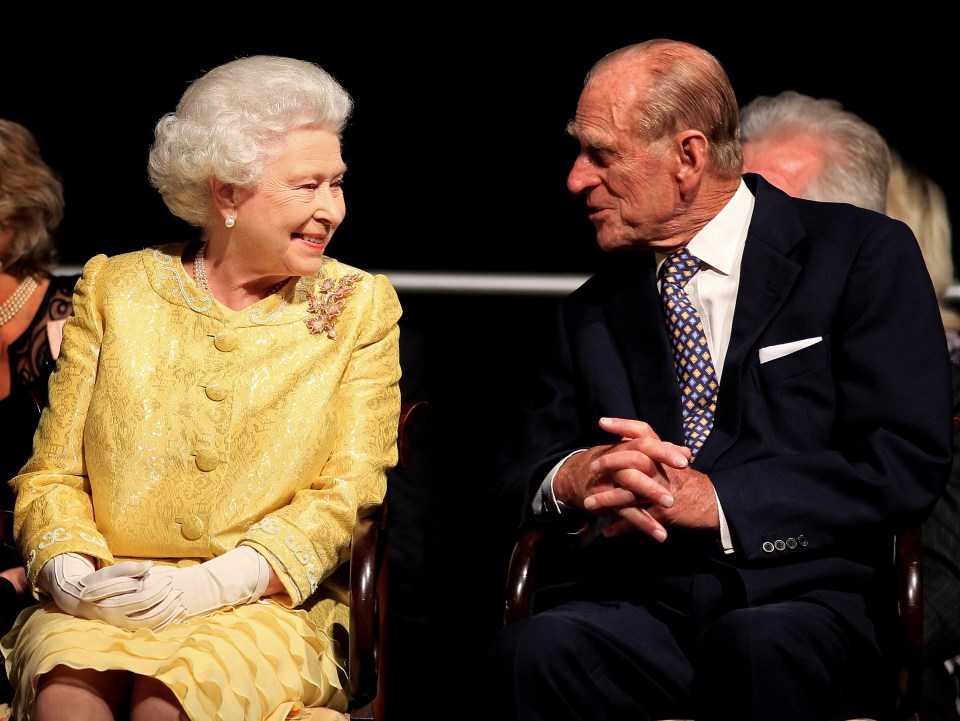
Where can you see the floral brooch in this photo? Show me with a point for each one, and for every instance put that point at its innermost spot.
(328, 303)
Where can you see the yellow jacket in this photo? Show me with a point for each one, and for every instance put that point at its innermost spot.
(178, 429)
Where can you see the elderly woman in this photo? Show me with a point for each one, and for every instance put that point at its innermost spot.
(222, 413)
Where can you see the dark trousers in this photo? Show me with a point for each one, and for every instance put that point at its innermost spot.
(694, 656)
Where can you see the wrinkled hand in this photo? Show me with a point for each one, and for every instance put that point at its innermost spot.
(119, 595)
(641, 483)
(237, 577)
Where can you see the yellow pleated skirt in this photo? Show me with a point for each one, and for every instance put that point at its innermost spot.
(258, 662)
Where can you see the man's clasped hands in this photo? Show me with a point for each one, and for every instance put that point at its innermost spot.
(141, 594)
(641, 483)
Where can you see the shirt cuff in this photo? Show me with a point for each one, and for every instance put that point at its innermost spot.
(726, 539)
(545, 503)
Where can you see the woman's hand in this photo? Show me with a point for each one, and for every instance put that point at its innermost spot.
(119, 595)
(237, 577)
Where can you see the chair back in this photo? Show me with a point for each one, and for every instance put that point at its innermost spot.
(369, 588)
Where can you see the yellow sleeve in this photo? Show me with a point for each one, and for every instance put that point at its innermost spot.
(309, 538)
(53, 513)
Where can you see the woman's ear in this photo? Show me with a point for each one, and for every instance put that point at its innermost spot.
(224, 197)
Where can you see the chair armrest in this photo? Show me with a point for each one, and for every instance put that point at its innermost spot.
(522, 575)
(368, 568)
(411, 413)
(535, 558)
(369, 585)
(909, 570)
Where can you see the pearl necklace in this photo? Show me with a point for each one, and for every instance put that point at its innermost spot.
(200, 274)
(14, 304)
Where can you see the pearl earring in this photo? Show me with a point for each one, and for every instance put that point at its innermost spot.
(230, 221)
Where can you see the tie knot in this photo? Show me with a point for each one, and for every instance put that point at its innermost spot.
(679, 267)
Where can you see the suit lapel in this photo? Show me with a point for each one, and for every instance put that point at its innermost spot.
(767, 276)
(634, 315)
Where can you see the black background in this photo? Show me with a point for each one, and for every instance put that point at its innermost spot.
(457, 150)
(457, 162)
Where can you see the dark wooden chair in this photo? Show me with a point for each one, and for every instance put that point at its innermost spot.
(538, 553)
(368, 591)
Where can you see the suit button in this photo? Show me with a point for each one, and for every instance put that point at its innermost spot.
(768, 547)
(192, 528)
(225, 340)
(791, 543)
(779, 545)
(802, 540)
(207, 460)
(215, 392)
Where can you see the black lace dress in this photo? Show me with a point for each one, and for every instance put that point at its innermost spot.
(31, 362)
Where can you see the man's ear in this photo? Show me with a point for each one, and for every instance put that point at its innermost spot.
(691, 148)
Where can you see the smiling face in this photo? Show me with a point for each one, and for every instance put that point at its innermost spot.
(628, 182)
(285, 224)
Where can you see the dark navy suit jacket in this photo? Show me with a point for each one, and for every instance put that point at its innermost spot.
(818, 457)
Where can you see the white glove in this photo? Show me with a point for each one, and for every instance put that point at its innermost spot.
(118, 594)
(237, 577)
(60, 577)
(127, 595)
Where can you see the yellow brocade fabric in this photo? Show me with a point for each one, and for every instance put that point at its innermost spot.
(179, 429)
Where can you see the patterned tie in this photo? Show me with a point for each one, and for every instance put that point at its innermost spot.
(695, 371)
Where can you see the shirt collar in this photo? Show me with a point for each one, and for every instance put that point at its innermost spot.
(718, 243)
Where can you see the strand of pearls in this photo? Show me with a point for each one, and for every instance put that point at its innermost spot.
(200, 274)
(14, 304)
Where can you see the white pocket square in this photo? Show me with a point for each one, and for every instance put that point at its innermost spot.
(772, 352)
